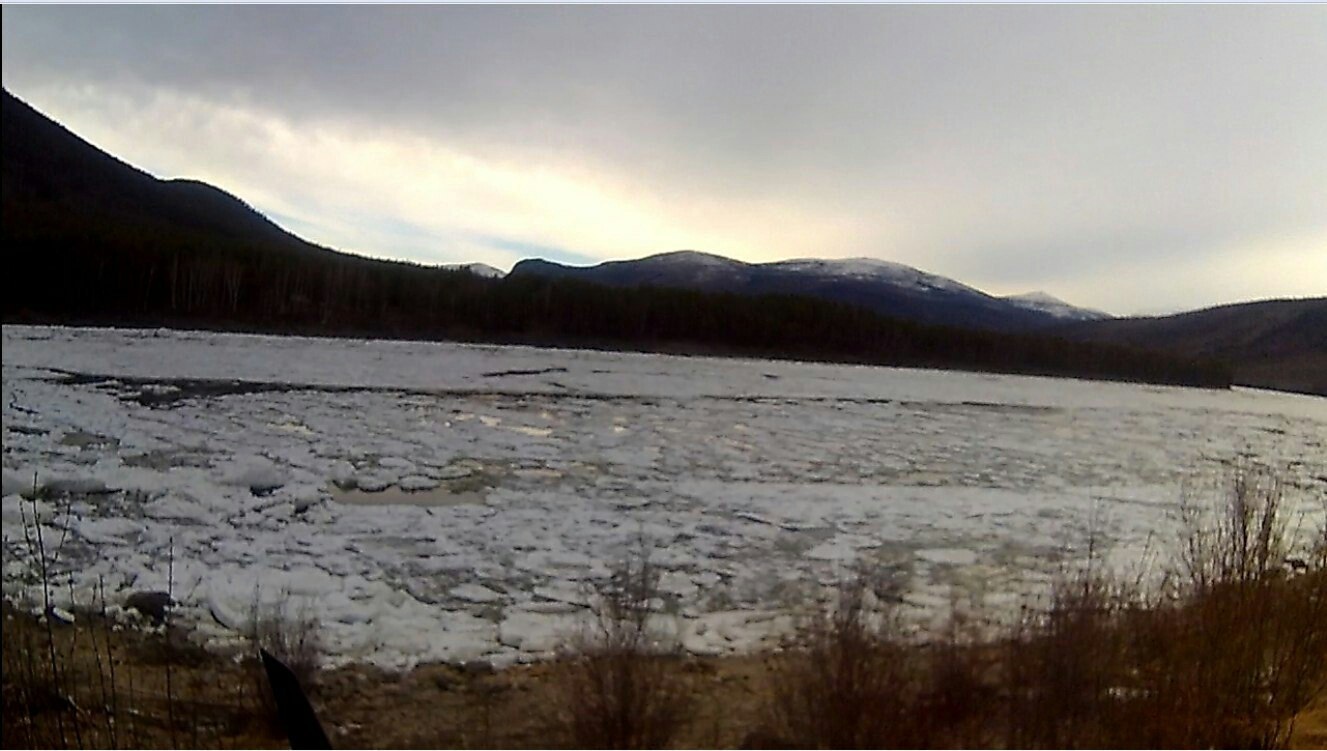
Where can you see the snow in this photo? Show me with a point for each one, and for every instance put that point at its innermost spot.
(14, 484)
(416, 483)
(751, 493)
(478, 269)
(948, 556)
(1042, 302)
(256, 473)
(693, 258)
(875, 269)
(475, 593)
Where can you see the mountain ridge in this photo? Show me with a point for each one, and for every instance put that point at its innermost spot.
(59, 168)
(1054, 306)
(885, 287)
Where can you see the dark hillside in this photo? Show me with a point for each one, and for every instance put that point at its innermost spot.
(1279, 344)
(46, 165)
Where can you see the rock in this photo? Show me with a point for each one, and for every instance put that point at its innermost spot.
(62, 615)
(152, 605)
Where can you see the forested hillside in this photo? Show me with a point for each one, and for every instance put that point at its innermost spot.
(1279, 344)
(89, 239)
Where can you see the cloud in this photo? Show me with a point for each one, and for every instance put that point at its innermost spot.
(1011, 147)
(391, 193)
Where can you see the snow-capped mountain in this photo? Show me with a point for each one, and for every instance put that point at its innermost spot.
(883, 286)
(478, 269)
(871, 268)
(1056, 307)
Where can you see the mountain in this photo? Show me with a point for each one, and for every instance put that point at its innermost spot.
(478, 269)
(891, 289)
(1277, 344)
(91, 240)
(1055, 307)
(48, 170)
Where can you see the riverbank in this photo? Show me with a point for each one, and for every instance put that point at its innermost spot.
(168, 694)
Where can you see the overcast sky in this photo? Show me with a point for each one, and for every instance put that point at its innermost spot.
(1129, 158)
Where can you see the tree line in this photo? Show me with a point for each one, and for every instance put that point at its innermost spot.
(81, 267)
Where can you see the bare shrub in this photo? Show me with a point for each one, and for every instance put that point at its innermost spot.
(1061, 665)
(846, 684)
(1224, 653)
(1240, 539)
(959, 686)
(39, 687)
(1249, 638)
(623, 689)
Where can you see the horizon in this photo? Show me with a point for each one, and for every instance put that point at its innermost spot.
(1173, 149)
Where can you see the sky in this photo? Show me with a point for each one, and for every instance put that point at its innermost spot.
(1134, 159)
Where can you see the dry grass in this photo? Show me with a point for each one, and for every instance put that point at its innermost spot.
(290, 633)
(76, 678)
(113, 691)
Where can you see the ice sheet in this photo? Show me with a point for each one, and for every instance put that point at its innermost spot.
(755, 484)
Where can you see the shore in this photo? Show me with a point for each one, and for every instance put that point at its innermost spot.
(218, 703)
(164, 692)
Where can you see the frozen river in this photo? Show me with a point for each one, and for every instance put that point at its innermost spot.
(450, 502)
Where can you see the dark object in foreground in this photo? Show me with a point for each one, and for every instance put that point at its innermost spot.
(153, 605)
(297, 717)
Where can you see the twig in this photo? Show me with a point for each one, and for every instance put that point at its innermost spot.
(170, 645)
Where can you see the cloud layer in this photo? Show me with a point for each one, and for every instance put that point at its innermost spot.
(1129, 158)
